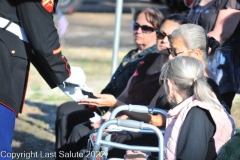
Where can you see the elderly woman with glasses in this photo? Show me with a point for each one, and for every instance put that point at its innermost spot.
(191, 40)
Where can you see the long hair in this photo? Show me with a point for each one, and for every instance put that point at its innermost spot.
(153, 16)
(194, 37)
(187, 73)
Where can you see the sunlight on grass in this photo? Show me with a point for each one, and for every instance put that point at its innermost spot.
(236, 110)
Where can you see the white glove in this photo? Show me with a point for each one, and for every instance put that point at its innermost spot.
(74, 85)
(78, 78)
(73, 91)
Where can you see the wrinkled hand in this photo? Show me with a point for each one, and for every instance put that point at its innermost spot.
(134, 155)
(102, 100)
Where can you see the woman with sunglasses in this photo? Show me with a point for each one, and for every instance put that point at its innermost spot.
(70, 114)
(169, 24)
(197, 126)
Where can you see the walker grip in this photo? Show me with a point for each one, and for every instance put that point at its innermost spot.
(130, 124)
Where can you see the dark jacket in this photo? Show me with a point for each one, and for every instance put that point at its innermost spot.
(123, 73)
(43, 50)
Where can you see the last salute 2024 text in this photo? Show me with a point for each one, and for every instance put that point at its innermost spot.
(87, 154)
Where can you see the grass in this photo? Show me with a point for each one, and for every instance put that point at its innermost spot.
(235, 112)
(34, 129)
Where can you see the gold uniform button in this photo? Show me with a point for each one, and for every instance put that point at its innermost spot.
(13, 51)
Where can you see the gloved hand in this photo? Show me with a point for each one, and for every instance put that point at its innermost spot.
(75, 86)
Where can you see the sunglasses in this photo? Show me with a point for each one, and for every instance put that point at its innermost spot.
(174, 53)
(162, 35)
(144, 28)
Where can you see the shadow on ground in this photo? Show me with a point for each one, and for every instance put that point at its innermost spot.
(34, 134)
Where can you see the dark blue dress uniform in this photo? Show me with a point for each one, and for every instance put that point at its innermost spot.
(40, 47)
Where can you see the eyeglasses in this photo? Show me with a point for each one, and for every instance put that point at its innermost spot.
(144, 28)
(162, 35)
(173, 51)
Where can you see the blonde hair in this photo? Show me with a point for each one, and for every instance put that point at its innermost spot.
(187, 73)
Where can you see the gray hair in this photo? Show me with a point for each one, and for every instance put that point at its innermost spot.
(194, 37)
(187, 73)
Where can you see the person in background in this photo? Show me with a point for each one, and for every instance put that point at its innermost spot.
(196, 112)
(220, 19)
(24, 38)
(69, 114)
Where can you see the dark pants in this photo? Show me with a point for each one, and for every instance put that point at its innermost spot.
(78, 138)
(69, 114)
(228, 98)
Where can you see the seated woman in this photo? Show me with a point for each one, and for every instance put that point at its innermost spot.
(143, 87)
(197, 126)
(70, 114)
(146, 22)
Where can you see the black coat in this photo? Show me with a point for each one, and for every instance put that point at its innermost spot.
(43, 50)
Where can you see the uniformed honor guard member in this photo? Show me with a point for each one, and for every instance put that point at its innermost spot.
(28, 34)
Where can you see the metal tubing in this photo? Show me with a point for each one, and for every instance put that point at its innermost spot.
(99, 140)
(118, 13)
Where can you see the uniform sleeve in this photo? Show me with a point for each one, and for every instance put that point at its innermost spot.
(196, 132)
(36, 17)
